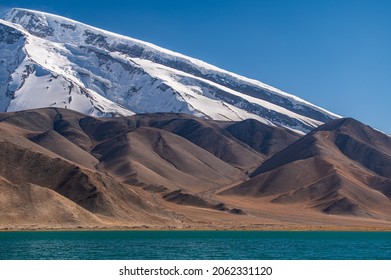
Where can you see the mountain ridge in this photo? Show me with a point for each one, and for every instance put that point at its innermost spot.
(339, 167)
(66, 60)
(63, 169)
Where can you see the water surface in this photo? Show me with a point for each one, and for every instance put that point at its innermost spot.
(134, 245)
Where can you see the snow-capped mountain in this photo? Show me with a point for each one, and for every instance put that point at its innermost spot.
(48, 60)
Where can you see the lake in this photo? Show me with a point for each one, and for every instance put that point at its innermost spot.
(187, 245)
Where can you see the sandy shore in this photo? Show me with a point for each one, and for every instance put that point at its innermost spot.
(204, 228)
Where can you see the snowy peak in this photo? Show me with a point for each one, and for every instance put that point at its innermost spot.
(34, 22)
(33, 76)
(102, 73)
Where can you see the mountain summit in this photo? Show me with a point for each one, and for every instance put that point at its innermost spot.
(52, 61)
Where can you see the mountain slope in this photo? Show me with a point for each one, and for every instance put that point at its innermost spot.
(207, 135)
(63, 169)
(342, 167)
(72, 169)
(263, 138)
(54, 61)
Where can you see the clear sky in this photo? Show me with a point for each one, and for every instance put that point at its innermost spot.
(335, 54)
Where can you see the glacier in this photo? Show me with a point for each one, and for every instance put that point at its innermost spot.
(51, 61)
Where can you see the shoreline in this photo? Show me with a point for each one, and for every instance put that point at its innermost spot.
(192, 228)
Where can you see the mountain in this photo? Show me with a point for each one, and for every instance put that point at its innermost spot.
(99, 130)
(63, 169)
(52, 61)
(263, 138)
(343, 167)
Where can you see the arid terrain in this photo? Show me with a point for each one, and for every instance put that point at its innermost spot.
(60, 169)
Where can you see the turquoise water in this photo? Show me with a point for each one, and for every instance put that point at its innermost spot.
(133, 245)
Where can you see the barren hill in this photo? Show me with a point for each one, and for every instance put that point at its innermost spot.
(342, 167)
(63, 169)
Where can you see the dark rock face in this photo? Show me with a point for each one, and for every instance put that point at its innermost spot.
(95, 39)
(268, 96)
(132, 51)
(9, 35)
(186, 199)
(273, 116)
(36, 25)
(181, 198)
(68, 26)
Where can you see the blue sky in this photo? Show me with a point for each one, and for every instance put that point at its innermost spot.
(335, 54)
